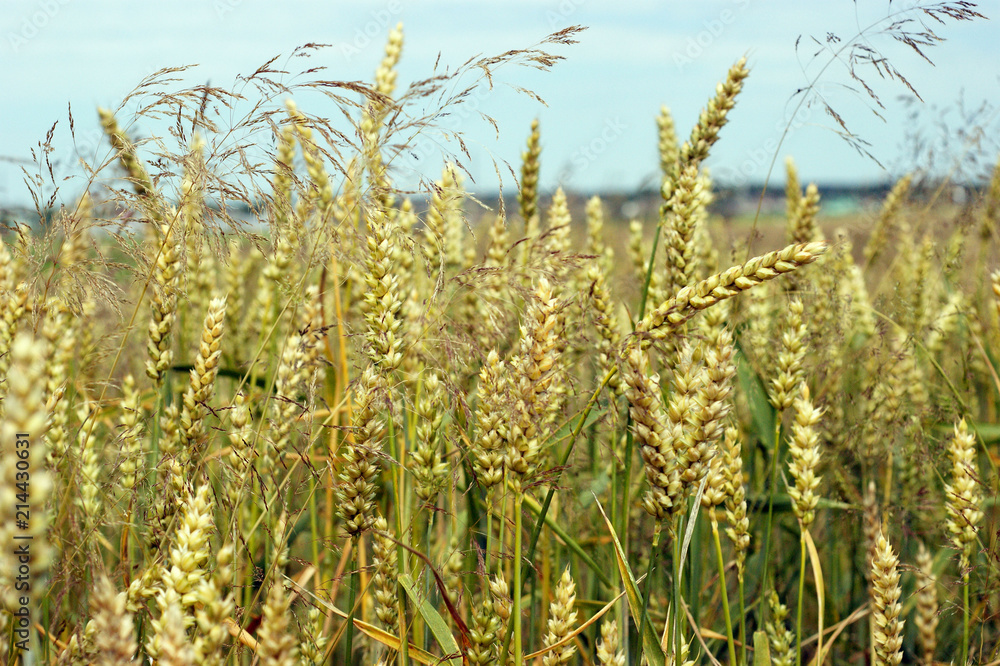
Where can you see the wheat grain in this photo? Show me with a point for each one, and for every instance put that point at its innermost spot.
(562, 617)
(356, 490)
(650, 418)
(534, 376)
(675, 311)
(163, 305)
(386, 572)
(429, 470)
(528, 191)
(483, 634)
(803, 450)
(489, 445)
(736, 503)
(890, 209)
(781, 639)
(888, 628)
(24, 420)
(962, 498)
(202, 385)
(608, 653)
(114, 633)
(925, 615)
(667, 144)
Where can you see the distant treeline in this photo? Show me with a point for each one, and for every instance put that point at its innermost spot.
(635, 203)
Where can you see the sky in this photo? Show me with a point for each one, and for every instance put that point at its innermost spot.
(598, 121)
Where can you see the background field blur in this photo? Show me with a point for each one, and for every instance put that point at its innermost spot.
(598, 124)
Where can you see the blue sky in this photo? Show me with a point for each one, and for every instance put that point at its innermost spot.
(599, 126)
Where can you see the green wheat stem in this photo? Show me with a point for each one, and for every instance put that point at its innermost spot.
(723, 591)
(675, 615)
(649, 274)
(537, 530)
(965, 618)
(770, 506)
(352, 592)
(515, 615)
(428, 589)
(653, 554)
(489, 530)
(743, 623)
(401, 553)
(314, 521)
(802, 592)
(623, 526)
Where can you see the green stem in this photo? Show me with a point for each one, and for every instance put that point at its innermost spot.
(570, 542)
(676, 615)
(649, 274)
(429, 590)
(314, 522)
(351, 596)
(653, 555)
(515, 616)
(743, 624)
(965, 618)
(489, 532)
(402, 555)
(725, 593)
(623, 525)
(802, 592)
(770, 507)
(537, 530)
(694, 572)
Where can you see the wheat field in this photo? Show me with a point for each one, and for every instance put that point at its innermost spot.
(347, 427)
